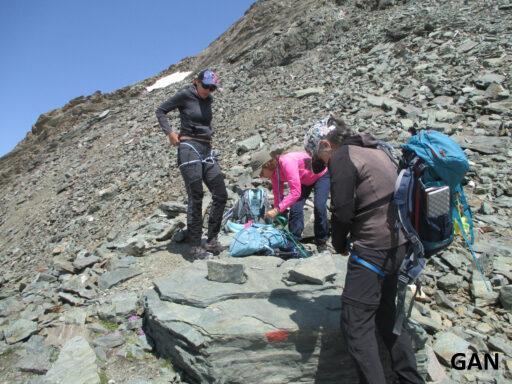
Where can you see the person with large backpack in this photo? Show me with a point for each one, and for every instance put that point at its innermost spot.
(196, 159)
(363, 226)
(296, 169)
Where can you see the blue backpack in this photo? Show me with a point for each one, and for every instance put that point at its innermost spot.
(252, 205)
(429, 199)
(428, 194)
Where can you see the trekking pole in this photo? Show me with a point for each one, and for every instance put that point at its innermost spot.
(280, 222)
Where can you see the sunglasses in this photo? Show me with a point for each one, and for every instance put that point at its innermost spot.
(211, 88)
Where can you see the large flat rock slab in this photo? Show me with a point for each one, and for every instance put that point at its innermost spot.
(190, 286)
(267, 330)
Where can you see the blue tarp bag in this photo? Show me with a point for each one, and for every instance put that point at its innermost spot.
(256, 240)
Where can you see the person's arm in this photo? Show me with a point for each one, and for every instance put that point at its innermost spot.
(290, 175)
(161, 114)
(343, 186)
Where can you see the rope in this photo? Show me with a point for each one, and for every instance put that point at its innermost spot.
(280, 223)
(207, 160)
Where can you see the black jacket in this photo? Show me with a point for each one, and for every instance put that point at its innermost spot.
(362, 185)
(195, 113)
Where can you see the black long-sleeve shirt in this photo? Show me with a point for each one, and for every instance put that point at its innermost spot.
(195, 113)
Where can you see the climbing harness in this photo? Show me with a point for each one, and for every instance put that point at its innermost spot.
(367, 265)
(210, 159)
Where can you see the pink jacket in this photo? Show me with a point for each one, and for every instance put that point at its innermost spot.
(295, 169)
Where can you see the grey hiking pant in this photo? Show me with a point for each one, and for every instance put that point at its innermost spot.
(197, 165)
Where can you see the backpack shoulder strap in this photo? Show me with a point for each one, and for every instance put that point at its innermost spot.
(403, 201)
(389, 151)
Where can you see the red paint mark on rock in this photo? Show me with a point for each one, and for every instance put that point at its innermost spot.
(277, 336)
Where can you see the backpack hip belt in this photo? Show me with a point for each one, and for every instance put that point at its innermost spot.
(367, 265)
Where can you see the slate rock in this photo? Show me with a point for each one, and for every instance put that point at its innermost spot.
(76, 285)
(226, 272)
(111, 278)
(76, 364)
(506, 297)
(481, 289)
(435, 370)
(172, 209)
(496, 92)
(109, 341)
(71, 299)
(443, 101)
(313, 270)
(501, 107)
(251, 143)
(443, 301)
(448, 344)
(429, 324)
(37, 358)
(121, 262)
(9, 306)
(84, 262)
(498, 343)
(33, 311)
(483, 144)
(75, 316)
(169, 232)
(125, 304)
(454, 260)
(134, 246)
(63, 265)
(19, 330)
(486, 208)
(466, 46)
(308, 92)
(61, 334)
(450, 282)
(108, 193)
(447, 117)
(483, 81)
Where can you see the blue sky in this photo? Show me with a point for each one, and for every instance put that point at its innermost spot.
(55, 50)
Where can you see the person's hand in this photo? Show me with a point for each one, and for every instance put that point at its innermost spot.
(271, 214)
(173, 138)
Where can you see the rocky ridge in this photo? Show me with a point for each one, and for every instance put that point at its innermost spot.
(81, 208)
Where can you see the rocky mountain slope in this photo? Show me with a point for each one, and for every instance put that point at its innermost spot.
(93, 170)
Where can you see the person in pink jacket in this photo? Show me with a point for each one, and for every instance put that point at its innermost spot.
(296, 169)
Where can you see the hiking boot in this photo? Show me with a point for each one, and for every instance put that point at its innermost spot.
(214, 246)
(321, 247)
(181, 236)
(199, 253)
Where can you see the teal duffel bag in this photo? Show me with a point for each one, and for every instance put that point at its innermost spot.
(257, 239)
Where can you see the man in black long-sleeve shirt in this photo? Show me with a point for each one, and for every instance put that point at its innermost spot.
(195, 157)
(363, 224)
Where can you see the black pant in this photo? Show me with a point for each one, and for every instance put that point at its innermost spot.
(368, 305)
(197, 165)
